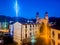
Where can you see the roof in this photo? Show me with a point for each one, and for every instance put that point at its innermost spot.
(56, 27)
(29, 21)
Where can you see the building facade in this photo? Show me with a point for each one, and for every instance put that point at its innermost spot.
(24, 31)
(55, 36)
(41, 29)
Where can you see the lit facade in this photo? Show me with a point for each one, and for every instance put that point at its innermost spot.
(24, 31)
(41, 28)
(55, 36)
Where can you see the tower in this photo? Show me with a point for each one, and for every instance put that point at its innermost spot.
(46, 29)
(46, 15)
(46, 18)
(37, 17)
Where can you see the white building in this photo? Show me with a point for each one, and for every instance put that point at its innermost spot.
(23, 31)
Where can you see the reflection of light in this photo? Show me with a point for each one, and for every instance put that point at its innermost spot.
(33, 39)
(46, 37)
(16, 8)
(5, 25)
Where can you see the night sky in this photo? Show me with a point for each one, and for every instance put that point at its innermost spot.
(28, 8)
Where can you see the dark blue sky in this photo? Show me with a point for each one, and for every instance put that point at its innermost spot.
(28, 8)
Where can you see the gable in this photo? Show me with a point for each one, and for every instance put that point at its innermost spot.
(17, 23)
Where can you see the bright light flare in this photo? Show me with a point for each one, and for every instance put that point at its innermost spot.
(16, 7)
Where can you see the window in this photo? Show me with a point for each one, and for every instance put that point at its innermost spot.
(25, 35)
(53, 34)
(36, 25)
(58, 36)
(58, 43)
(30, 34)
(30, 26)
(26, 26)
(42, 27)
(53, 42)
(26, 31)
(30, 29)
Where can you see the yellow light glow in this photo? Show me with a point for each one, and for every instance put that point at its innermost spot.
(4, 30)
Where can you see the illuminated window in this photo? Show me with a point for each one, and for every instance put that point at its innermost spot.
(58, 36)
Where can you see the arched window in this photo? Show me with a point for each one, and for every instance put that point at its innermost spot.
(41, 28)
